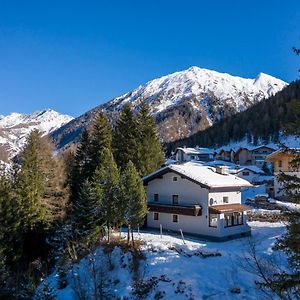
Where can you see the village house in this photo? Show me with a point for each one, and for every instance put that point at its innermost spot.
(225, 155)
(259, 154)
(185, 154)
(243, 157)
(252, 174)
(200, 200)
(281, 160)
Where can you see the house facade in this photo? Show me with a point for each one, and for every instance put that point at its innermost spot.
(249, 173)
(259, 154)
(200, 200)
(184, 154)
(281, 160)
(243, 157)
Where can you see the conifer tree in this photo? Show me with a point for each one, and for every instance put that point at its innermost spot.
(80, 169)
(126, 145)
(30, 184)
(108, 177)
(151, 155)
(86, 214)
(9, 222)
(134, 197)
(101, 138)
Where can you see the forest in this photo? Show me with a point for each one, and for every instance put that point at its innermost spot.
(263, 121)
(56, 208)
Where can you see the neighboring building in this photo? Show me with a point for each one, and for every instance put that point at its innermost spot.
(185, 154)
(281, 161)
(249, 173)
(243, 157)
(226, 155)
(200, 200)
(259, 154)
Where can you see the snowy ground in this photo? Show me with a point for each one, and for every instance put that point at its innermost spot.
(175, 270)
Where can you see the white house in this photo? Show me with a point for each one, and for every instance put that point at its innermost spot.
(251, 173)
(200, 200)
(187, 154)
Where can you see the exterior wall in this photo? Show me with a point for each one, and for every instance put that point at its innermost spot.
(259, 156)
(285, 163)
(244, 157)
(195, 225)
(251, 177)
(189, 193)
(233, 197)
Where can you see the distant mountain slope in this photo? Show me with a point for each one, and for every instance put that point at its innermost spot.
(261, 123)
(183, 102)
(15, 128)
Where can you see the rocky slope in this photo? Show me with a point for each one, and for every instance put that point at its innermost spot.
(184, 102)
(15, 128)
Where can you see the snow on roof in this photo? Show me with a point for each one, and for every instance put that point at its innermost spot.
(253, 169)
(201, 174)
(196, 150)
(282, 150)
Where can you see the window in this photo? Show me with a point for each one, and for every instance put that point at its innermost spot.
(156, 197)
(155, 216)
(233, 219)
(225, 199)
(228, 220)
(246, 173)
(192, 157)
(211, 201)
(175, 218)
(175, 178)
(213, 220)
(280, 164)
(175, 199)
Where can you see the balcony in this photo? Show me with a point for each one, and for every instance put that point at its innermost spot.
(192, 210)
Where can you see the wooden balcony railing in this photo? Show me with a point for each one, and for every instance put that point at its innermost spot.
(192, 210)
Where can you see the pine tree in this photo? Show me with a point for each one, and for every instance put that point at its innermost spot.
(101, 138)
(86, 214)
(134, 197)
(126, 138)
(151, 155)
(108, 177)
(30, 184)
(80, 170)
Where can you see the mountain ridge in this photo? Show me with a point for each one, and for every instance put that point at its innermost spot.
(15, 127)
(183, 102)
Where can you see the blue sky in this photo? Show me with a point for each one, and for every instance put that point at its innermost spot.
(73, 55)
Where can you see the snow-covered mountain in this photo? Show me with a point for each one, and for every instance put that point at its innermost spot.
(184, 102)
(15, 128)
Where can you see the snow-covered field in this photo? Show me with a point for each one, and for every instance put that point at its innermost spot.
(174, 270)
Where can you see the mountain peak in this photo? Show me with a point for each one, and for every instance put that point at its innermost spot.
(15, 127)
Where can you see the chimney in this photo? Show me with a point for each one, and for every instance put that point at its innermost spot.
(221, 170)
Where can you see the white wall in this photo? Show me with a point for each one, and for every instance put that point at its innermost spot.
(189, 193)
(233, 197)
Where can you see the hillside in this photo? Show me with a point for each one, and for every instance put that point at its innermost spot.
(15, 128)
(262, 122)
(183, 102)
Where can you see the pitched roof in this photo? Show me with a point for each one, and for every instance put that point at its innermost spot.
(205, 176)
(196, 150)
(282, 150)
